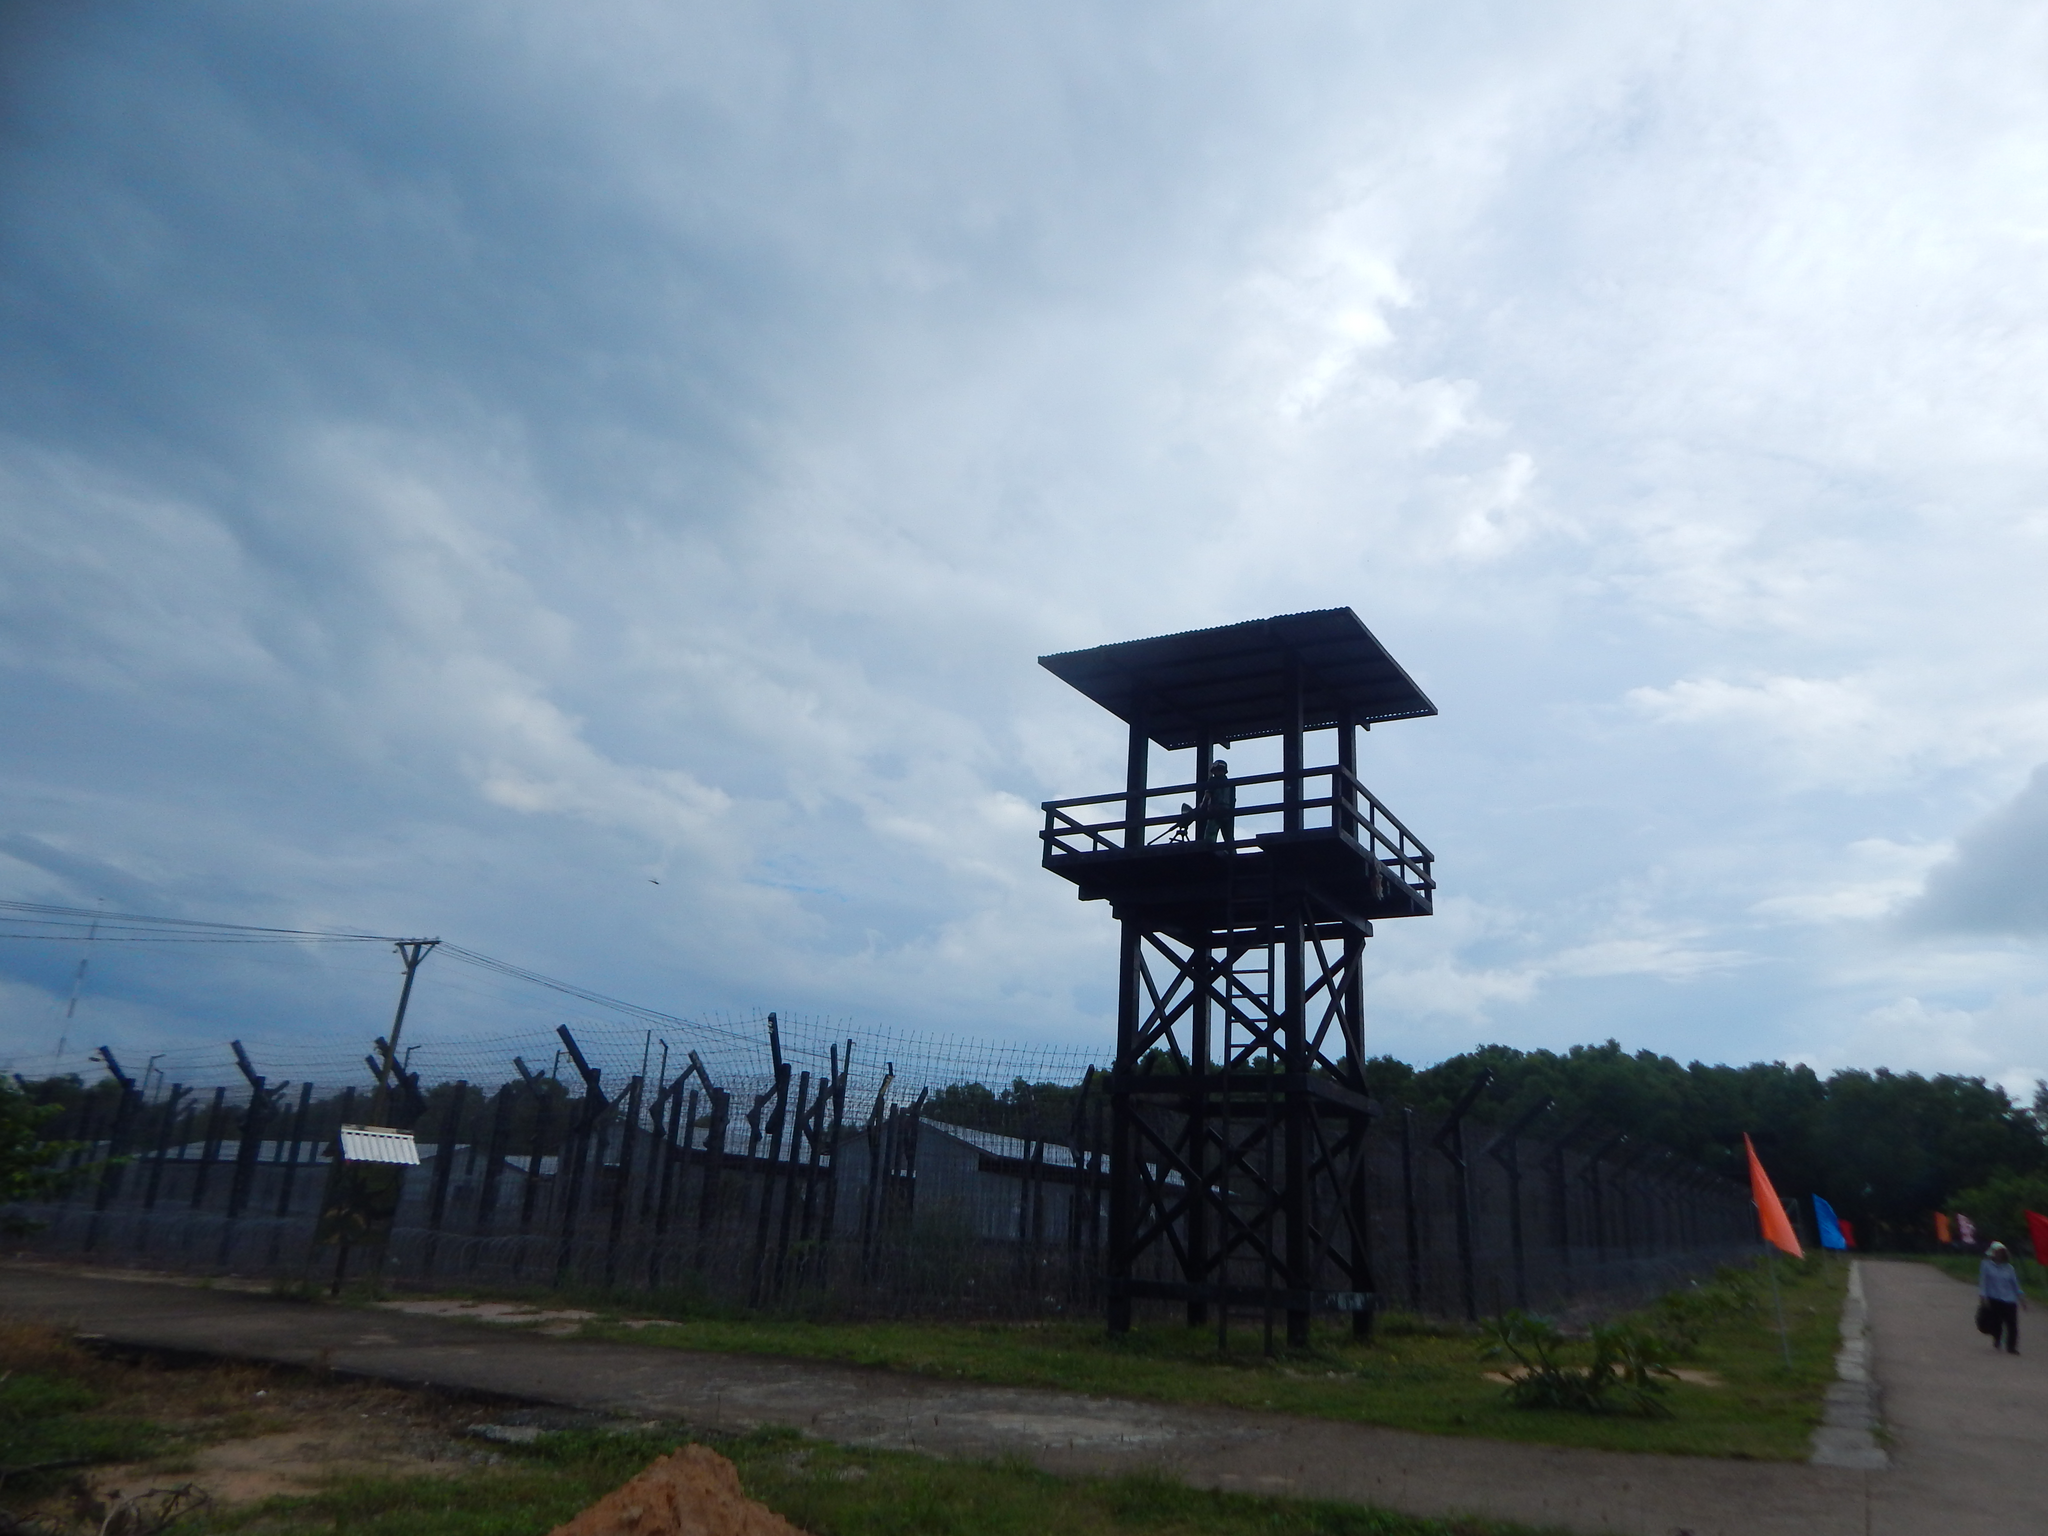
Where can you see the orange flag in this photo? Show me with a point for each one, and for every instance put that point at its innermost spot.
(1770, 1209)
(1941, 1233)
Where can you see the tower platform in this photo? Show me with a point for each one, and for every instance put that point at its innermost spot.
(1361, 860)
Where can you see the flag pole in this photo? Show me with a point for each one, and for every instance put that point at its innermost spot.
(1778, 1302)
(1775, 1224)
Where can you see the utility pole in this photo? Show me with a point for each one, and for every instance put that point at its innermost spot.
(411, 952)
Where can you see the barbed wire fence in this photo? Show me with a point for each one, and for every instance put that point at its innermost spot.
(759, 1160)
(737, 1156)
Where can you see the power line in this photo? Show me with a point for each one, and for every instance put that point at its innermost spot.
(943, 1059)
(143, 928)
(120, 921)
(103, 937)
(584, 994)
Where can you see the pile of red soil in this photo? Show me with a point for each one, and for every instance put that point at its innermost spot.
(694, 1492)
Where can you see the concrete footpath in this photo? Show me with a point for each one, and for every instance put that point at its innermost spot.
(1966, 1425)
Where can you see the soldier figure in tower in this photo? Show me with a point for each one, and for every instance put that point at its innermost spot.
(1218, 804)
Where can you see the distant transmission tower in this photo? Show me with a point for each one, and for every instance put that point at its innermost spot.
(77, 986)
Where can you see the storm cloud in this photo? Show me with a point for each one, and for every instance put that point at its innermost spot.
(592, 482)
(1997, 879)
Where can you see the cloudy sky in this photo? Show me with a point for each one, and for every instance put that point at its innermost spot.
(461, 464)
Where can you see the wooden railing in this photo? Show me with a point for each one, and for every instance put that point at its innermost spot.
(1343, 803)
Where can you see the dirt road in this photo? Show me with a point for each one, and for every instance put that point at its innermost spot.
(1967, 1425)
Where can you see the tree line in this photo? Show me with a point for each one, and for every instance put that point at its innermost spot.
(1886, 1149)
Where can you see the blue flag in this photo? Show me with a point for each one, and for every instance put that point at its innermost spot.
(1830, 1227)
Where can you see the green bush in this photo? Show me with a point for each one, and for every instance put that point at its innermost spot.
(1682, 1315)
(28, 1164)
(1627, 1374)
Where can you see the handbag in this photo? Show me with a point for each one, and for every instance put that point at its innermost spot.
(1985, 1322)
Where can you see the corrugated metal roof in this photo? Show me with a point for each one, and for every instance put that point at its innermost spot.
(1232, 682)
(998, 1145)
(378, 1144)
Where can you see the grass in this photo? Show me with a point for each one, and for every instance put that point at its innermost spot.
(61, 1407)
(89, 1442)
(58, 1410)
(1414, 1376)
(825, 1490)
(58, 1400)
(1963, 1266)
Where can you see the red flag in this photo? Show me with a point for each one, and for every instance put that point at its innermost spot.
(1770, 1209)
(2037, 1229)
(1848, 1232)
(1941, 1234)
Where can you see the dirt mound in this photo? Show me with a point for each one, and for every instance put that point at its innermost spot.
(694, 1492)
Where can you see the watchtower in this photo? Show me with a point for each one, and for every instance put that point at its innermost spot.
(1238, 1099)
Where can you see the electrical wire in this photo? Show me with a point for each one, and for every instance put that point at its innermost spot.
(120, 922)
(738, 1044)
(582, 994)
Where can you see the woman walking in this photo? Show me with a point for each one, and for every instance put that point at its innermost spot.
(1998, 1285)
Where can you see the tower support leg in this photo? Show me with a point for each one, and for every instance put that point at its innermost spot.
(1239, 1119)
(1123, 1162)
